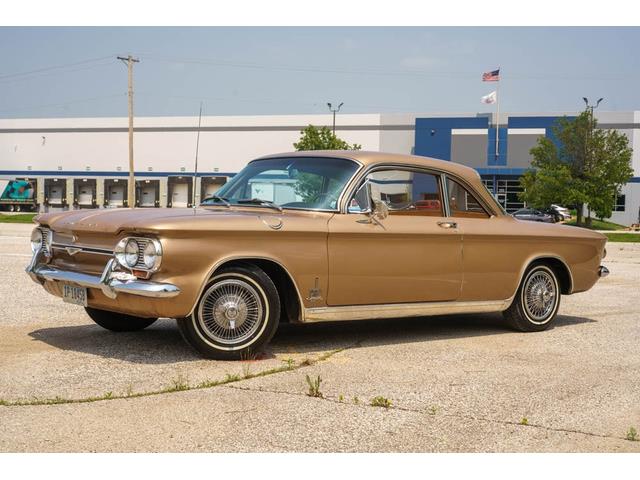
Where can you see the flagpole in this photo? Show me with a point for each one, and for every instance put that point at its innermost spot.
(497, 116)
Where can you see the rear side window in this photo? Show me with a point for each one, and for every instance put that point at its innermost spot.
(462, 203)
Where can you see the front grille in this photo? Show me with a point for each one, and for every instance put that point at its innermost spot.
(45, 241)
(142, 244)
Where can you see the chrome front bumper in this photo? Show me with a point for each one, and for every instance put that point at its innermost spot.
(110, 282)
(603, 271)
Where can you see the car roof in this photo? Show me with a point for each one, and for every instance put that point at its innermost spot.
(367, 158)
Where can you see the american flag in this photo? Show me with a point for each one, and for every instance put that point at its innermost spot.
(493, 76)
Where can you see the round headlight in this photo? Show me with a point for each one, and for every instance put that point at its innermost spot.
(150, 255)
(131, 253)
(36, 240)
(127, 252)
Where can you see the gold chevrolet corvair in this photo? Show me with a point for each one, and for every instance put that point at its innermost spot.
(314, 236)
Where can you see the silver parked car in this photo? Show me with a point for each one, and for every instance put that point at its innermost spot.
(533, 215)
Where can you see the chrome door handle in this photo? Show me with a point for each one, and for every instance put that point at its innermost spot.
(448, 224)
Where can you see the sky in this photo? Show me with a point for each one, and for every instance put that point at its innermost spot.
(278, 70)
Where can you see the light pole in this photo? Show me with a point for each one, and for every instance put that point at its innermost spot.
(585, 161)
(591, 107)
(334, 111)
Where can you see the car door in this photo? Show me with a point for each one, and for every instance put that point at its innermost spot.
(491, 257)
(412, 255)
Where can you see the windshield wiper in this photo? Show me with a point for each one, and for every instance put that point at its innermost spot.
(217, 199)
(259, 201)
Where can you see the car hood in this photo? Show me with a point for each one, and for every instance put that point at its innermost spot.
(167, 219)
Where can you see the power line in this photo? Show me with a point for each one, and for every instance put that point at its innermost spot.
(46, 74)
(300, 102)
(61, 105)
(353, 71)
(55, 67)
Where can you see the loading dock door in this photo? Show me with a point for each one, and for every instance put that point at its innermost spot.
(210, 189)
(116, 195)
(56, 194)
(85, 192)
(180, 195)
(85, 195)
(148, 193)
(210, 185)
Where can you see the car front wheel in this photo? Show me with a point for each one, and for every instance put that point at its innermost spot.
(537, 301)
(236, 315)
(118, 322)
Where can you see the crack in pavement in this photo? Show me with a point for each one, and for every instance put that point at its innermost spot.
(177, 387)
(423, 412)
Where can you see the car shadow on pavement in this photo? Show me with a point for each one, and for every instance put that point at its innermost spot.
(162, 343)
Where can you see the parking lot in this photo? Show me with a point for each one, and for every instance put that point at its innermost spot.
(462, 383)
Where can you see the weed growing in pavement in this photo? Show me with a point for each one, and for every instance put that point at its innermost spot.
(432, 410)
(231, 377)
(632, 435)
(380, 401)
(341, 398)
(178, 384)
(524, 421)
(289, 362)
(246, 370)
(314, 386)
(356, 401)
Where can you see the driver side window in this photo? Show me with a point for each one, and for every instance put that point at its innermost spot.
(407, 192)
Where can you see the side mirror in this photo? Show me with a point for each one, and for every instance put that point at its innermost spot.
(362, 200)
(364, 203)
(380, 210)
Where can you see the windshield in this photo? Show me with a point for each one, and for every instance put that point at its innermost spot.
(303, 182)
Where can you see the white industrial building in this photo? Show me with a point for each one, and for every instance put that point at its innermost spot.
(83, 162)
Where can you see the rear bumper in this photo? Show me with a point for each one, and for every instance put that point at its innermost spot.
(111, 282)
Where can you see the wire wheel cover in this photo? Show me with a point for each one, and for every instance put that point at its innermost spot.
(539, 296)
(230, 311)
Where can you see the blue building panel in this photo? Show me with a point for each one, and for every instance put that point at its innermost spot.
(501, 158)
(433, 135)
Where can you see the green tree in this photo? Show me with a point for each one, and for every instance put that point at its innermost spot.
(314, 138)
(587, 167)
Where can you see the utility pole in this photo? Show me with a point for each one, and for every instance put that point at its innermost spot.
(131, 195)
(334, 111)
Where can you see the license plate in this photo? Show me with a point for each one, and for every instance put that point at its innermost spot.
(75, 295)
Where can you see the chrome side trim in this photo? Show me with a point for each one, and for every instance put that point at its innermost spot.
(82, 248)
(401, 310)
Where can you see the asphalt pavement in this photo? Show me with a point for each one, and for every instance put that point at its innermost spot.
(461, 383)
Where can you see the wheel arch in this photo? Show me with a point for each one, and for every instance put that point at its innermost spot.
(290, 299)
(559, 267)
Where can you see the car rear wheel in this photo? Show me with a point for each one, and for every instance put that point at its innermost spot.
(236, 315)
(536, 303)
(118, 322)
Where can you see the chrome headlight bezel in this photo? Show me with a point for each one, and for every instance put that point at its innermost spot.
(147, 256)
(36, 239)
(41, 240)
